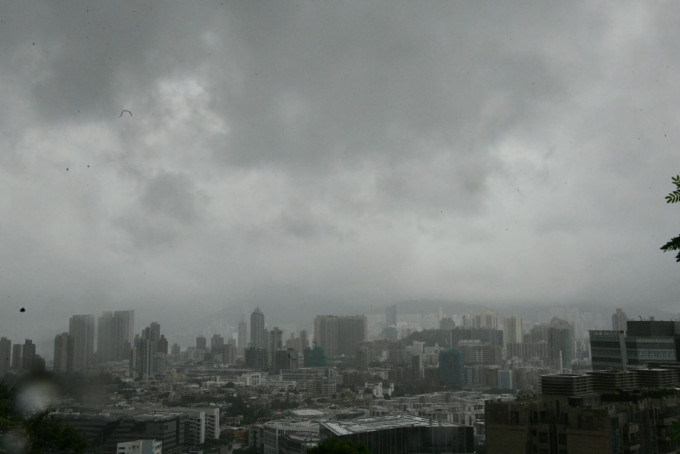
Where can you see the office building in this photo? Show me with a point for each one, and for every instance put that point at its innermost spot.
(608, 349)
(81, 329)
(641, 343)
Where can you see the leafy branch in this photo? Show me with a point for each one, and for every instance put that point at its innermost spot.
(673, 197)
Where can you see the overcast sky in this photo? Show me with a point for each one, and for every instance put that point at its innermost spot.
(363, 152)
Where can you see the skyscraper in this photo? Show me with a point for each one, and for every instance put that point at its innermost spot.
(81, 329)
(162, 346)
(125, 331)
(304, 340)
(340, 335)
(216, 343)
(106, 332)
(142, 357)
(512, 330)
(154, 331)
(561, 343)
(391, 315)
(619, 320)
(242, 336)
(275, 344)
(146, 359)
(5, 356)
(115, 332)
(488, 319)
(63, 353)
(451, 370)
(28, 352)
(201, 343)
(17, 350)
(258, 335)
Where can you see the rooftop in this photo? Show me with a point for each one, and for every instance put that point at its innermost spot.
(381, 423)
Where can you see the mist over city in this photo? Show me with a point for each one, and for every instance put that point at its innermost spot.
(323, 154)
(191, 162)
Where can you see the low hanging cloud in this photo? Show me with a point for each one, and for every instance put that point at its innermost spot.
(336, 153)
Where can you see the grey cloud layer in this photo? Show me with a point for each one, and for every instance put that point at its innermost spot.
(472, 151)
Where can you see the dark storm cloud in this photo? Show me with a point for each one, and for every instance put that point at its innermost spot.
(315, 94)
(165, 211)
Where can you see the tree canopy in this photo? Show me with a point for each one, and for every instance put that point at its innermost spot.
(38, 433)
(673, 197)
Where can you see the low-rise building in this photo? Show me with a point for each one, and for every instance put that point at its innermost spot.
(402, 434)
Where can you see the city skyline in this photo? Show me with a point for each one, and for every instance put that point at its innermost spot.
(325, 330)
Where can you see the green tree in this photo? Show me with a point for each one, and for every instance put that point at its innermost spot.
(338, 445)
(673, 197)
(41, 432)
(46, 434)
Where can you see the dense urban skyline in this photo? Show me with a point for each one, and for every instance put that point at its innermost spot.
(184, 159)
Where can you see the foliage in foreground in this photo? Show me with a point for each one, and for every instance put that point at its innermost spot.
(673, 197)
(39, 433)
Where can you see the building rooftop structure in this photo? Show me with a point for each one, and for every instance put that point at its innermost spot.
(361, 425)
(566, 384)
(402, 434)
(307, 413)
